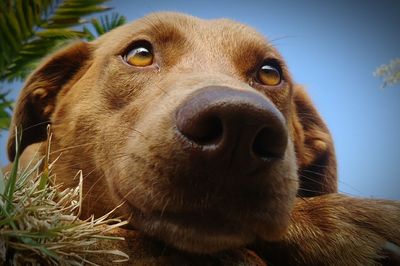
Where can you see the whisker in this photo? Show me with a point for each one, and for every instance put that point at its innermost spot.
(164, 207)
(309, 190)
(36, 125)
(96, 182)
(321, 166)
(95, 142)
(312, 179)
(282, 37)
(314, 172)
(73, 147)
(128, 193)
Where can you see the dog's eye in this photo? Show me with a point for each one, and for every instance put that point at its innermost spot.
(140, 56)
(269, 75)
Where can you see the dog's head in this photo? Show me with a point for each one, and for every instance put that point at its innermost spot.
(195, 124)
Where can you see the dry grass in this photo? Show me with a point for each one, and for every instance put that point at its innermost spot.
(39, 221)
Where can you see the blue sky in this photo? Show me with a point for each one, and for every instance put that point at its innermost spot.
(332, 48)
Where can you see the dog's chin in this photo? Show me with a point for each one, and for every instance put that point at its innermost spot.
(193, 232)
(204, 233)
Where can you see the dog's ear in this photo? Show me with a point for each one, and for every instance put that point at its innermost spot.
(314, 148)
(37, 99)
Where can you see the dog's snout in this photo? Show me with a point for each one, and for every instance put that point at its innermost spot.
(226, 125)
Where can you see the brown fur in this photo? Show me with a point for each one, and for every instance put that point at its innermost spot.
(113, 121)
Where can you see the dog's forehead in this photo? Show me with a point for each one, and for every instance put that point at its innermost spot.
(171, 26)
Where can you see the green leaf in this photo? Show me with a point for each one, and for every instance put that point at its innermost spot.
(5, 110)
(31, 29)
(107, 24)
(14, 25)
(80, 3)
(7, 34)
(31, 19)
(61, 33)
(2, 183)
(22, 18)
(99, 29)
(89, 35)
(12, 180)
(8, 220)
(74, 12)
(5, 122)
(44, 178)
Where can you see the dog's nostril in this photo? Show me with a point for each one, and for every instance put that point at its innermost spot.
(201, 126)
(265, 146)
(209, 130)
(236, 131)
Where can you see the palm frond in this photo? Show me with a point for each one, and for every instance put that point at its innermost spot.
(5, 110)
(115, 21)
(31, 29)
(105, 24)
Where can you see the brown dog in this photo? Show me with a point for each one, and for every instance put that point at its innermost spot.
(198, 127)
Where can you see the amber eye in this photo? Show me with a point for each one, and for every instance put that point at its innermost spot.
(140, 56)
(269, 75)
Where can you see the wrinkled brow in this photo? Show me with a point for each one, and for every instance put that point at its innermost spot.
(250, 53)
(162, 31)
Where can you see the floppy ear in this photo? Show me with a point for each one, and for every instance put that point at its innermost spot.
(314, 148)
(37, 99)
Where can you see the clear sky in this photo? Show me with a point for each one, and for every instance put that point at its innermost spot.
(332, 47)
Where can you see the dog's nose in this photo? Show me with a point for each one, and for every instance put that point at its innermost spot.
(224, 127)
